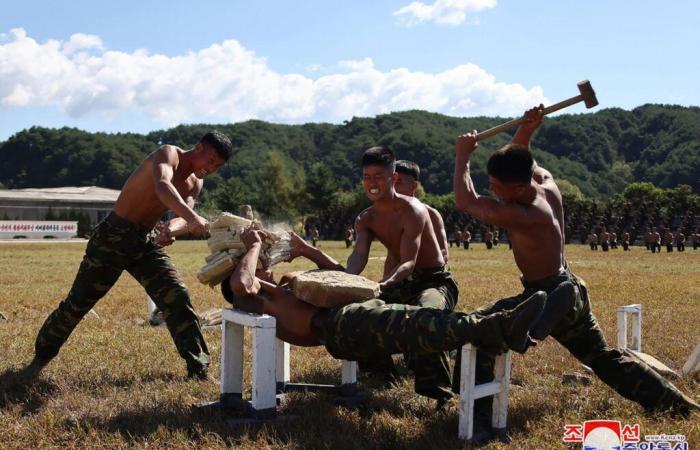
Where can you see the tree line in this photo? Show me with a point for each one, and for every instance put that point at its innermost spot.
(293, 171)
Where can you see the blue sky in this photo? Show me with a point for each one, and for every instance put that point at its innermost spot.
(137, 66)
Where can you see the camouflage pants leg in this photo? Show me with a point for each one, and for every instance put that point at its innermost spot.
(101, 267)
(619, 369)
(156, 273)
(432, 370)
(374, 327)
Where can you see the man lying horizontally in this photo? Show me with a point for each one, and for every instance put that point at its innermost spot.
(361, 329)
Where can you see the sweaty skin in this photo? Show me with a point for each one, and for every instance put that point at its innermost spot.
(401, 223)
(168, 179)
(532, 214)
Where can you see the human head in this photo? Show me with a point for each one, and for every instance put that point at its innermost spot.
(219, 142)
(510, 171)
(212, 151)
(407, 177)
(378, 172)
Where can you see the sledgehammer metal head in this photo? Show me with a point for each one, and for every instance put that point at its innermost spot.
(587, 94)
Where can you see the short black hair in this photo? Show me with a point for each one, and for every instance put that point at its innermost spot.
(408, 168)
(379, 156)
(219, 142)
(512, 163)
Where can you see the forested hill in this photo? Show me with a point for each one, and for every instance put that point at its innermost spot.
(600, 152)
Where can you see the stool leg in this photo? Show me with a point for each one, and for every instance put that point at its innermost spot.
(282, 366)
(500, 400)
(264, 358)
(466, 392)
(621, 329)
(637, 330)
(348, 372)
(231, 359)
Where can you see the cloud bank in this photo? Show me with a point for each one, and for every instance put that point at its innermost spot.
(443, 12)
(226, 81)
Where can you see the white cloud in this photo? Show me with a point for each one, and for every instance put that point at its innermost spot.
(227, 81)
(80, 41)
(444, 12)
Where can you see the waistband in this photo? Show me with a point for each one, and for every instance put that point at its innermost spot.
(550, 282)
(425, 274)
(120, 222)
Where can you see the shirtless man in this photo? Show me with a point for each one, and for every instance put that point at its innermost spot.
(407, 182)
(349, 236)
(593, 240)
(604, 240)
(488, 239)
(530, 209)
(655, 241)
(648, 238)
(170, 178)
(458, 236)
(373, 327)
(626, 241)
(467, 236)
(680, 240)
(415, 274)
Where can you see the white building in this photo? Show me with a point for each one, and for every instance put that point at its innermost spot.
(35, 203)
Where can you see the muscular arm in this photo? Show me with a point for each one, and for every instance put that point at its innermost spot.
(389, 265)
(165, 160)
(243, 280)
(410, 243)
(466, 198)
(360, 254)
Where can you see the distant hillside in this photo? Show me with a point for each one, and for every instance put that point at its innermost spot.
(600, 153)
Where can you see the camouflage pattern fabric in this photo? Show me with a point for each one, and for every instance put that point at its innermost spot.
(579, 333)
(117, 245)
(375, 327)
(435, 289)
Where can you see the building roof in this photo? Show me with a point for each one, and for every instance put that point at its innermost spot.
(86, 194)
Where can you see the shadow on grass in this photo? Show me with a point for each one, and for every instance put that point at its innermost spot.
(305, 421)
(19, 387)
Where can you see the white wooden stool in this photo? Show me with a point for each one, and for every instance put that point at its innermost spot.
(271, 368)
(635, 311)
(469, 391)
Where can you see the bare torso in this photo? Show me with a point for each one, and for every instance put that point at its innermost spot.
(538, 246)
(138, 202)
(388, 224)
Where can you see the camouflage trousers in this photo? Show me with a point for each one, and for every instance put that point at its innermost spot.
(579, 333)
(375, 327)
(435, 289)
(117, 245)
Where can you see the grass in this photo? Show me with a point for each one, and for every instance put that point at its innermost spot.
(119, 384)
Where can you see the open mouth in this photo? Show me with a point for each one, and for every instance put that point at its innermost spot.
(374, 191)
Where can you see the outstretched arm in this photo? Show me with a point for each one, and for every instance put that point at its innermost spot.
(468, 200)
(301, 248)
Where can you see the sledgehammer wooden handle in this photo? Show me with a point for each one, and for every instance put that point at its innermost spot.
(587, 95)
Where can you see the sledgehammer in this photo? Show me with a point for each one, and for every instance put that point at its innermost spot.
(587, 96)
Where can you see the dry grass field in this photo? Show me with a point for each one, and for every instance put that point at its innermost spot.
(119, 384)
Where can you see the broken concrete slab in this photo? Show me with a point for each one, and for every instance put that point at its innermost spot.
(692, 365)
(332, 288)
(661, 368)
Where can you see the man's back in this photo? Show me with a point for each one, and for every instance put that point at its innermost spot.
(538, 244)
